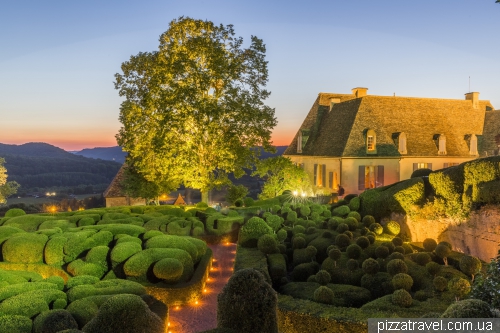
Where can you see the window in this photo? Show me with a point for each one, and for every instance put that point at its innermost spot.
(333, 182)
(442, 145)
(422, 166)
(299, 142)
(473, 144)
(402, 143)
(446, 165)
(370, 176)
(320, 175)
(371, 142)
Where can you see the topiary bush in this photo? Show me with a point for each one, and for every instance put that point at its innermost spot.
(15, 324)
(393, 228)
(433, 268)
(469, 308)
(368, 220)
(354, 204)
(354, 251)
(246, 293)
(341, 211)
(54, 321)
(396, 266)
(402, 281)
(125, 314)
(422, 258)
(252, 230)
(342, 241)
(352, 223)
(442, 250)
(459, 287)
(470, 265)
(169, 270)
(429, 244)
(370, 266)
(13, 212)
(122, 251)
(363, 242)
(323, 277)
(25, 248)
(382, 252)
(267, 244)
(402, 298)
(376, 228)
(323, 295)
(440, 283)
(352, 265)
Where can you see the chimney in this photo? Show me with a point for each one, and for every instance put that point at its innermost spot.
(474, 97)
(359, 92)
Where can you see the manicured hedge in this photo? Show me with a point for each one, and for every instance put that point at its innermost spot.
(24, 248)
(31, 303)
(19, 288)
(80, 280)
(252, 230)
(28, 223)
(174, 242)
(54, 251)
(122, 251)
(15, 324)
(107, 287)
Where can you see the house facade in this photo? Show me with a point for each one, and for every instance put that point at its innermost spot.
(115, 196)
(362, 141)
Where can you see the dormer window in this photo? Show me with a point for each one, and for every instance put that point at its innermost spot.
(402, 143)
(371, 142)
(299, 142)
(333, 101)
(473, 145)
(442, 145)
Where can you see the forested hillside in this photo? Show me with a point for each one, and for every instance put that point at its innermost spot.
(37, 166)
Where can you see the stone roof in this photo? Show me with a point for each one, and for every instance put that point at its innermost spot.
(340, 131)
(115, 188)
(491, 133)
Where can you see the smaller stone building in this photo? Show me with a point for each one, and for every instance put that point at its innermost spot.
(115, 196)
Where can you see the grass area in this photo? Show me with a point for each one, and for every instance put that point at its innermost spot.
(45, 200)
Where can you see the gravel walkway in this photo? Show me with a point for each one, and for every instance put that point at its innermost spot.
(193, 318)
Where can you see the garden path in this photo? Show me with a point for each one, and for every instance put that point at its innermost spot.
(193, 318)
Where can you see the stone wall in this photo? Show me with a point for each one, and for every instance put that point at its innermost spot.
(479, 235)
(124, 201)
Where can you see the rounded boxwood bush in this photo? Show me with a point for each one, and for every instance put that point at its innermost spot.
(342, 227)
(25, 248)
(267, 244)
(54, 321)
(354, 251)
(442, 250)
(371, 238)
(401, 298)
(402, 281)
(349, 234)
(13, 212)
(368, 220)
(396, 266)
(352, 223)
(423, 258)
(469, 308)
(354, 205)
(381, 251)
(355, 215)
(54, 251)
(399, 249)
(433, 268)
(408, 248)
(174, 242)
(323, 277)
(393, 228)
(122, 251)
(440, 283)
(342, 241)
(334, 254)
(459, 287)
(15, 324)
(363, 242)
(247, 292)
(370, 266)
(396, 255)
(429, 244)
(470, 265)
(376, 228)
(298, 243)
(248, 201)
(252, 230)
(282, 235)
(169, 269)
(352, 265)
(341, 211)
(390, 246)
(125, 314)
(302, 271)
(397, 241)
(80, 280)
(324, 295)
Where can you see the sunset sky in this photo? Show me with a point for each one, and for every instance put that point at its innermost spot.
(58, 58)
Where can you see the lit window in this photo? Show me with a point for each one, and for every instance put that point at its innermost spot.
(370, 143)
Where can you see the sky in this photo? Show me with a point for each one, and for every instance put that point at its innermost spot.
(58, 58)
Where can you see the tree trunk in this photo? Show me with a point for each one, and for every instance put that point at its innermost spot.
(204, 196)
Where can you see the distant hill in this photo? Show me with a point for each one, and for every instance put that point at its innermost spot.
(40, 165)
(104, 153)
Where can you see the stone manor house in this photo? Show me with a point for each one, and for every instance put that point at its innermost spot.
(362, 141)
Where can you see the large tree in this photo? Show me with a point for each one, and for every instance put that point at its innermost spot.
(195, 108)
(281, 174)
(6, 188)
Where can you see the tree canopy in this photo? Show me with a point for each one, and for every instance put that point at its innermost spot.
(194, 109)
(6, 188)
(281, 174)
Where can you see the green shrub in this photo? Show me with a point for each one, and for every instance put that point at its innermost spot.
(291, 216)
(335, 255)
(423, 172)
(24, 248)
(122, 251)
(84, 240)
(54, 321)
(469, 308)
(51, 224)
(354, 204)
(342, 241)
(248, 201)
(267, 244)
(179, 228)
(80, 267)
(106, 287)
(402, 281)
(125, 314)
(169, 269)
(392, 228)
(470, 265)
(396, 255)
(352, 223)
(302, 271)
(252, 230)
(83, 310)
(363, 242)
(433, 268)
(402, 298)
(422, 258)
(115, 216)
(54, 251)
(408, 248)
(354, 251)
(341, 211)
(371, 238)
(98, 255)
(15, 324)
(174, 242)
(13, 212)
(352, 264)
(30, 303)
(376, 228)
(429, 244)
(443, 251)
(323, 277)
(57, 280)
(440, 283)
(378, 284)
(370, 266)
(342, 227)
(247, 292)
(459, 287)
(324, 295)
(396, 241)
(137, 266)
(116, 229)
(277, 267)
(298, 243)
(368, 220)
(80, 280)
(22, 287)
(396, 266)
